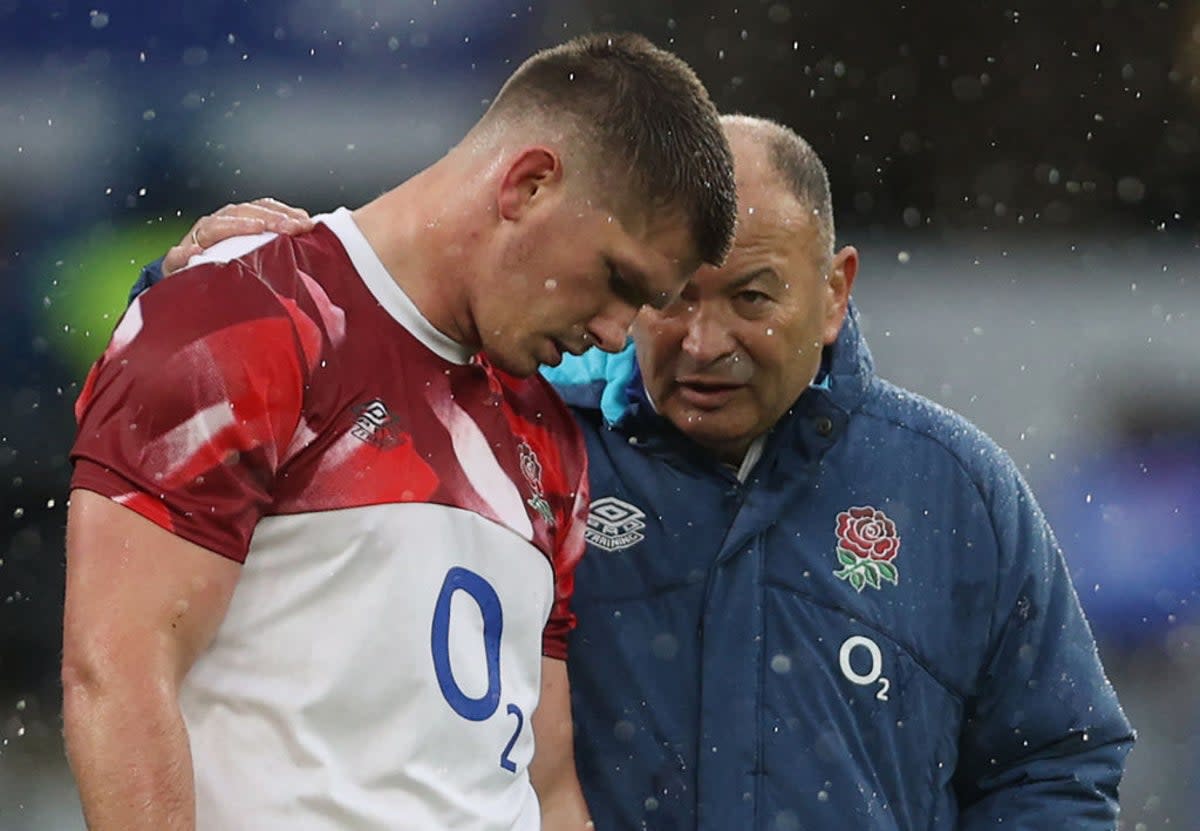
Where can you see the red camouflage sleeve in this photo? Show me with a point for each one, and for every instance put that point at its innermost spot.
(189, 412)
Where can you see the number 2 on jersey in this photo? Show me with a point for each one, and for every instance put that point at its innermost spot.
(481, 708)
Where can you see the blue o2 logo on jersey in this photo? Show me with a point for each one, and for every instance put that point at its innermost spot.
(481, 708)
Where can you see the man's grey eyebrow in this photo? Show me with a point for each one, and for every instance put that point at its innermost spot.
(746, 279)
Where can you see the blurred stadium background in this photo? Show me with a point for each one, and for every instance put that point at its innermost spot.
(1022, 179)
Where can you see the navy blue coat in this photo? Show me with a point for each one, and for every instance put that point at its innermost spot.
(874, 631)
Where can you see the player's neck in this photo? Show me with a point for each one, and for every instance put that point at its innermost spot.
(419, 240)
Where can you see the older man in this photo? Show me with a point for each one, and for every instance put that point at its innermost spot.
(813, 600)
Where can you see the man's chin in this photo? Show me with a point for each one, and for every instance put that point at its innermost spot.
(522, 367)
(712, 429)
(725, 446)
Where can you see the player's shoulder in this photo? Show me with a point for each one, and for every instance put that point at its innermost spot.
(259, 273)
(237, 269)
(245, 287)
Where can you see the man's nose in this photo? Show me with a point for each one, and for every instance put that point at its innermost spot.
(708, 337)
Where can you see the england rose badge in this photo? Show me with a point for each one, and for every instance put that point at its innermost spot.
(867, 545)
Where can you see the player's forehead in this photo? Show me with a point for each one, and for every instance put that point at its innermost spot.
(658, 255)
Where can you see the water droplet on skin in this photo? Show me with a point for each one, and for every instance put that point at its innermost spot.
(551, 284)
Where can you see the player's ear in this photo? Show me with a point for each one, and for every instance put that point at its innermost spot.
(526, 178)
(838, 285)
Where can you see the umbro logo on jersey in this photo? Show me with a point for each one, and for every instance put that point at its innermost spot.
(613, 524)
(375, 425)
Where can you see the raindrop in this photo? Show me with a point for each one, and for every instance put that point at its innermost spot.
(779, 13)
(903, 257)
(665, 646)
(967, 88)
(195, 56)
(1131, 189)
(624, 730)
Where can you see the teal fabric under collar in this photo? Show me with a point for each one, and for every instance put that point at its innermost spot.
(617, 372)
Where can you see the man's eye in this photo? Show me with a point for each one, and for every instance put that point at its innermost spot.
(752, 297)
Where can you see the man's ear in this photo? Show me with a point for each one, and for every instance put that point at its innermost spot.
(841, 281)
(527, 175)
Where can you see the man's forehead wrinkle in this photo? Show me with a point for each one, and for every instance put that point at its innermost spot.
(747, 275)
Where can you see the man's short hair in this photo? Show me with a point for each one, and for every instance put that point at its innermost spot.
(800, 169)
(644, 108)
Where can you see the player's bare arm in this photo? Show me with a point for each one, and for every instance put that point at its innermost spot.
(141, 605)
(265, 214)
(552, 770)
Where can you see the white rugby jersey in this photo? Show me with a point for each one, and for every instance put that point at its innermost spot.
(409, 519)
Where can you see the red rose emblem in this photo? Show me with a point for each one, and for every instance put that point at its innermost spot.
(868, 533)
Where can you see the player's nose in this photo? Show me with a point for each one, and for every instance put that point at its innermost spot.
(610, 332)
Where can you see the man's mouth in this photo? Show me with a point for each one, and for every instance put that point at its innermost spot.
(705, 393)
(553, 355)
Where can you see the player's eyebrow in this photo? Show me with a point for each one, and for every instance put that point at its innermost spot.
(654, 298)
(632, 285)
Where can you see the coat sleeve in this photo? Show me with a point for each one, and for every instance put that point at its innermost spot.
(150, 275)
(1045, 740)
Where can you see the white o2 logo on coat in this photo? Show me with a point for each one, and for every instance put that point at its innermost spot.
(874, 673)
